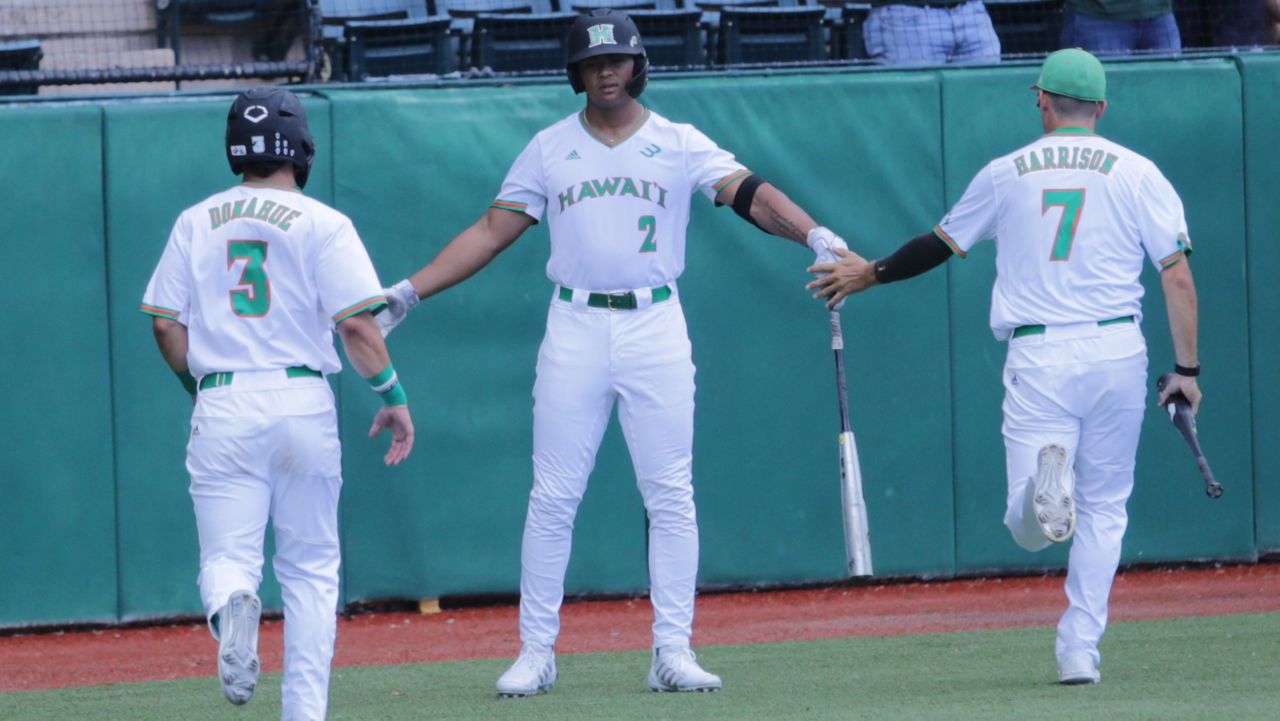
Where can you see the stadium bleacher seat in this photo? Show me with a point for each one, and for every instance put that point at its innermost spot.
(770, 34)
(464, 13)
(378, 48)
(20, 55)
(281, 20)
(1026, 26)
(586, 6)
(336, 14)
(672, 38)
(846, 31)
(513, 42)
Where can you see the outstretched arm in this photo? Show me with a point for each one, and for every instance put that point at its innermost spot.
(463, 257)
(1182, 306)
(770, 209)
(854, 274)
(368, 355)
(470, 250)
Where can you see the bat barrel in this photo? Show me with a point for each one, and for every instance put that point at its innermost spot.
(857, 536)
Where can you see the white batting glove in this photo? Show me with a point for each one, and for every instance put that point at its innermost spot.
(823, 242)
(401, 298)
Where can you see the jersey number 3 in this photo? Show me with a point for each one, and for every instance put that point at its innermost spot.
(1072, 203)
(254, 300)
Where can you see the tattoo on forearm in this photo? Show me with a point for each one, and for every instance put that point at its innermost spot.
(779, 224)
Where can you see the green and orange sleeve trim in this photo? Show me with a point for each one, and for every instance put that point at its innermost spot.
(942, 235)
(510, 205)
(371, 304)
(730, 179)
(1172, 258)
(160, 312)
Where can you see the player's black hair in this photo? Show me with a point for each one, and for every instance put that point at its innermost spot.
(1065, 107)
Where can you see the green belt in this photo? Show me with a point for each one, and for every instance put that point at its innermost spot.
(616, 301)
(1038, 329)
(213, 380)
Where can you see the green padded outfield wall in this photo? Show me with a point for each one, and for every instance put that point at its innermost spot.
(57, 526)
(1261, 75)
(877, 156)
(764, 444)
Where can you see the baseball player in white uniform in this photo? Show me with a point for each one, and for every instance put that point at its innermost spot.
(244, 301)
(1073, 216)
(614, 182)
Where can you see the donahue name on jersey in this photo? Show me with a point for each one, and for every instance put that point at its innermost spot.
(270, 211)
(620, 186)
(1065, 157)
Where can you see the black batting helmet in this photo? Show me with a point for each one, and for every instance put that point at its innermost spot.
(607, 32)
(268, 124)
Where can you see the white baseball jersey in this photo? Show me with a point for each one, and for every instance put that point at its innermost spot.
(1072, 214)
(243, 269)
(617, 211)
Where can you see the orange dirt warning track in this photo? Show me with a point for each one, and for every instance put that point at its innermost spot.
(87, 658)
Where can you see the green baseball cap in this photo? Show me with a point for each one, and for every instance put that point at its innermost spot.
(1074, 73)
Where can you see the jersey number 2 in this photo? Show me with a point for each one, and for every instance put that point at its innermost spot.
(254, 301)
(648, 223)
(1072, 203)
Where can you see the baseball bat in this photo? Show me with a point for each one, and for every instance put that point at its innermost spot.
(1185, 421)
(857, 537)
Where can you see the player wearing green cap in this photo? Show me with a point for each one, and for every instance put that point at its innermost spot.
(1073, 216)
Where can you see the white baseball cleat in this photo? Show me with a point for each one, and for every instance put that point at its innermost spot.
(238, 663)
(675, 668)
(533, 672)
(1077, 668)
(1054, 507)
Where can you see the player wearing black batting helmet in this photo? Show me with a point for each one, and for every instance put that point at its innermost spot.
(607, 32)
(614, 181)
(268, 124)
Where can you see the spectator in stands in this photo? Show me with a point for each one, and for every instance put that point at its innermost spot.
(925, 32)
(1271, 32)
(1120, 26)
(1221, 23)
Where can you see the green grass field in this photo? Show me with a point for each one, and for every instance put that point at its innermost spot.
(1225, 667)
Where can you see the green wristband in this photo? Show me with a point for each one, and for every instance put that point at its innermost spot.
(387, 384)
(395, 397)
(188, 381)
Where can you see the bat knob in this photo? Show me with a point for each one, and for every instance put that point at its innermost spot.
(1214, 490)
(1163, 381)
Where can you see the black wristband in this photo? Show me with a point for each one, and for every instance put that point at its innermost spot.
(1185, 371)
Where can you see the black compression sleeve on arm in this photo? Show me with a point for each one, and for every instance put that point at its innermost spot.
(920, 254)
(746, 193)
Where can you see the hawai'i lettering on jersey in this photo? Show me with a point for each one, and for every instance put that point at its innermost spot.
(620, 186)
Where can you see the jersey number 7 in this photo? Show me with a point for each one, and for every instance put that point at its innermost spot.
(1072, 203)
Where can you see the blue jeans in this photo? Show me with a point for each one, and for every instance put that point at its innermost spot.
(911, 35)
(1100, 35)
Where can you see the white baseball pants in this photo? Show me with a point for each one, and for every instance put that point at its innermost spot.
(589, 359)
(266, 446)
(1083, 387)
